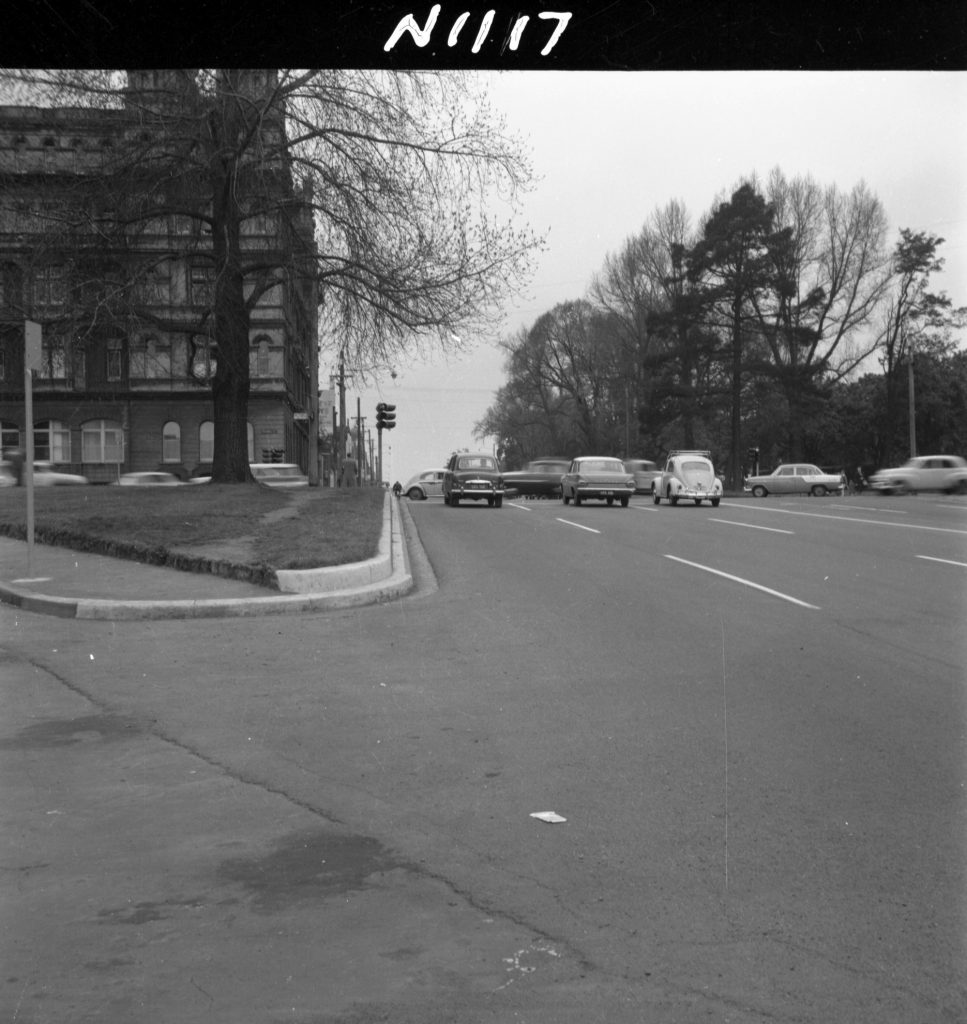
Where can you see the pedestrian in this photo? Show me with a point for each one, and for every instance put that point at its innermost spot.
(397, 488)
(349, 473)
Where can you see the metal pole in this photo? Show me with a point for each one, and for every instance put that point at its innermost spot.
(341, 449)
(912, 406)
(360, 451)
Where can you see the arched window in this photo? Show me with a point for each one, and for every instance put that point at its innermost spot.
(171, 442)
(102, 441)
(206, 441)
(52, 442)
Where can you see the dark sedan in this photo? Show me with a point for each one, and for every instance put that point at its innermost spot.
(538, 479)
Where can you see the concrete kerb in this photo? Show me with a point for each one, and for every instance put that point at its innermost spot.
(382, 578)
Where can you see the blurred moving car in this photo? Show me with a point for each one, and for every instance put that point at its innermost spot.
(425, 484)
(923, 473)
(688, 474)
(149, 478)
(598, 477)
(645, 473)
(279, 474)
(796, 478)
(540, 478)
(474, 477)
(46, 476)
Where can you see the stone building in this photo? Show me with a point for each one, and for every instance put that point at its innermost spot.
(125, 385)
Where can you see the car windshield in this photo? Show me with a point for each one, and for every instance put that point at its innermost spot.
(477, 462)
(695, 467)
(600, 466)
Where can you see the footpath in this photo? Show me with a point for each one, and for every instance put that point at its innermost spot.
(71, 584)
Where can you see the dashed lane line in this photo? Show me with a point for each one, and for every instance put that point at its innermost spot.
(751, 526)
(853, 519)
(578, 525)
(946, 561)
(745, 582)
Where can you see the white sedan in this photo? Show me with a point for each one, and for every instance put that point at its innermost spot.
(796, 478)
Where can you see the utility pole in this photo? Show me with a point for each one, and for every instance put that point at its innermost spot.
(341, 446)
(912, 406)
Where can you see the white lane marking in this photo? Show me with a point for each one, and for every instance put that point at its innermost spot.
(578, 525)
(946, 561)
(751, 526)
(645, 508)
(871, 508)
(744, 582)
(523, 508)
(850, 519)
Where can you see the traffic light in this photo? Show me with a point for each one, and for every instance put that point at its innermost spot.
(385, 416)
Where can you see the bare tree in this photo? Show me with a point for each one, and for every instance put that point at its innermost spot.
(829, 271)
(374, 191)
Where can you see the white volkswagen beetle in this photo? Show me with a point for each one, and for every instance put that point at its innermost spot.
(689, 476)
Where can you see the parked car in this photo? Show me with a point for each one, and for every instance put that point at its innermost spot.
(645, 473)
(473, 477)
(598, 477)
(688, 475)
(426, 484)
(279, 474)
(796, 478)
(46, 476)
(924, 473)
(149, 478)
(538, 479)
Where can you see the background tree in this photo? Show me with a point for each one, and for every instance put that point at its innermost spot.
(393, 170)
(828, 272)
(915, 320)
(730, 262)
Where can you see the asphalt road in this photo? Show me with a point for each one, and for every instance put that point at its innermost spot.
(751, 718)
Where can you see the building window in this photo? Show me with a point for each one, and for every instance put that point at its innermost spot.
(49, 285)
(53, 358)
(171, 442)
(150, 359)
(206, 441)
(52, 442)
(201, 286)
(9, 436)
(102, 441)
(114, 362)
(259, 356)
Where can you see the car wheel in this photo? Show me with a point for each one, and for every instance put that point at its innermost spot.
(414, 494)
(610, 502)
(498, 502)
(577, 498)
(698, 501)
(566, 498)
(672, 498)
(454, 501)
(759, 491)
(655, 496)
(490, 503)
(819, 491)
(715, 502)
(624, 502)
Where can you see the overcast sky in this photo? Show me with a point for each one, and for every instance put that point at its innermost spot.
(612, 147)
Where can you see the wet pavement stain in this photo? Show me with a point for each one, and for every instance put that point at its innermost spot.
(310, 866)
(62, 732)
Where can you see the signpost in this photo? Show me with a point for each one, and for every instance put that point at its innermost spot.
(33, 350)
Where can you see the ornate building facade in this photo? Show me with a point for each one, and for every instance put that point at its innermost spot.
(127, 385)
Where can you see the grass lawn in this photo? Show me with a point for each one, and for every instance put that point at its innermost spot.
(276, 528)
